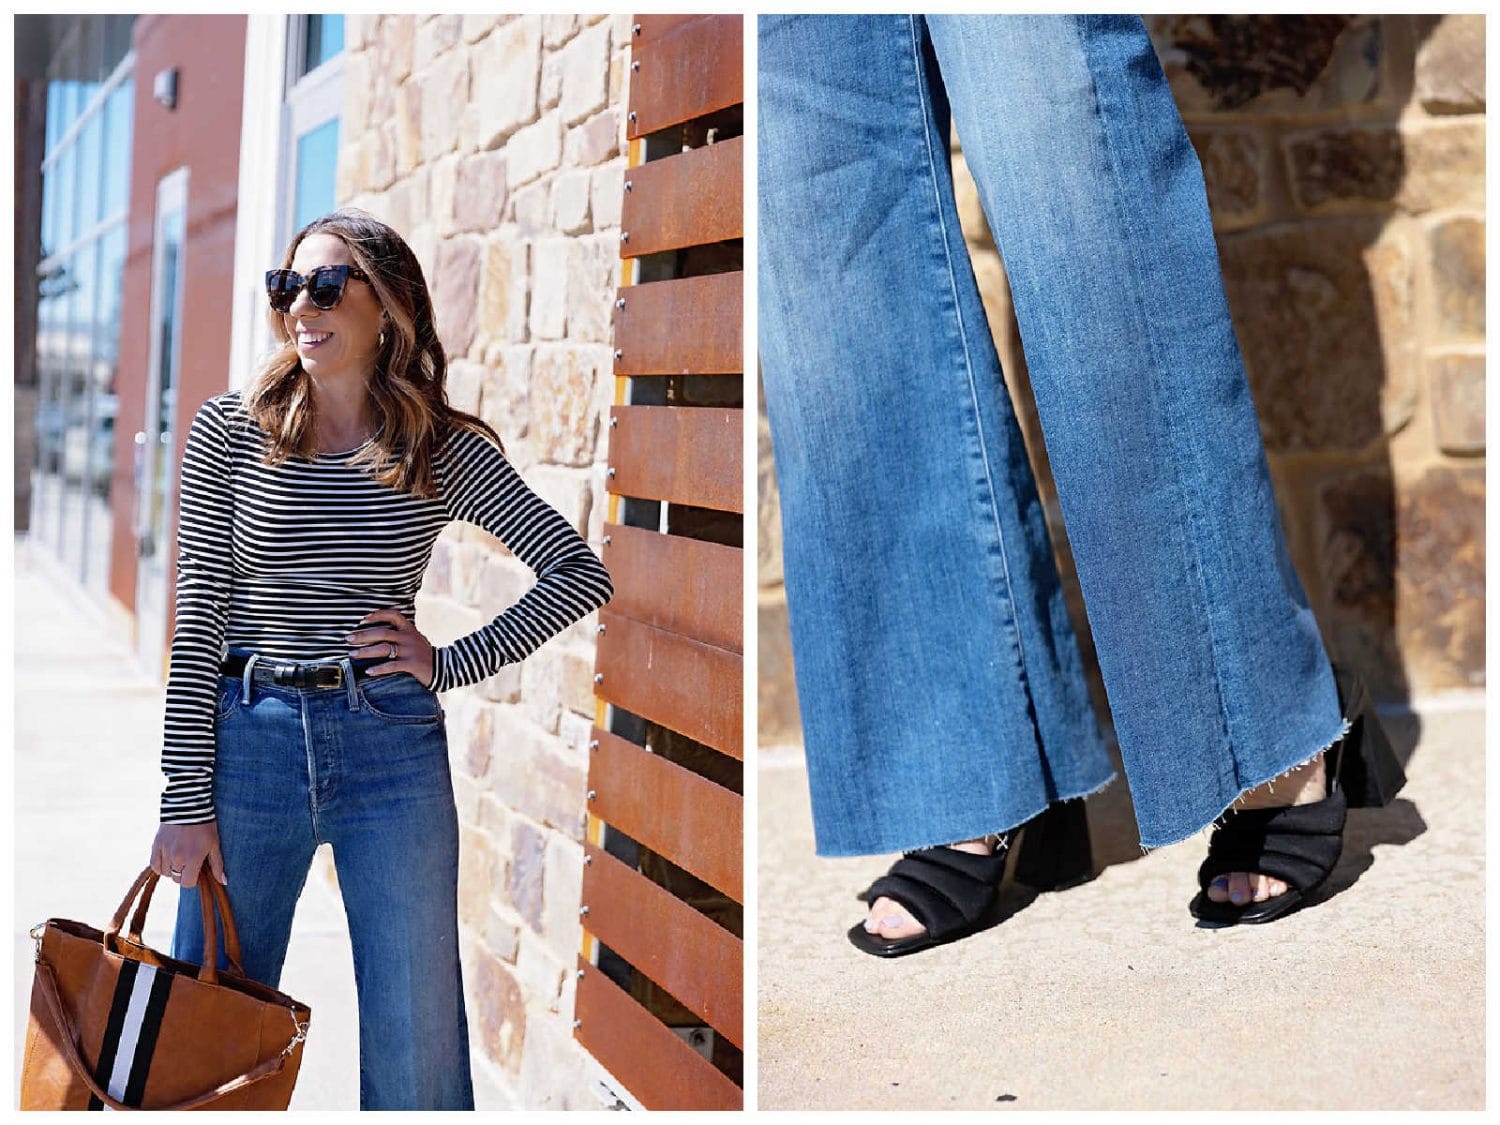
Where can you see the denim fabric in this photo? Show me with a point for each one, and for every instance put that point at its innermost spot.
(940, 683)
(364, 768)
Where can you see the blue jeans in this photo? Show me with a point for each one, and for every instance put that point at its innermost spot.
(363, 767)
(941, 687)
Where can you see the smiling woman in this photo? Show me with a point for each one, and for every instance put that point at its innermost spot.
(302, 701)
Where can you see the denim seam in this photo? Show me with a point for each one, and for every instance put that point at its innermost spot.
(1133, 257)
(958, 316)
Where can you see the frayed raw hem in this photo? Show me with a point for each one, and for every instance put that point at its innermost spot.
(1270, 781)
(1105, 784)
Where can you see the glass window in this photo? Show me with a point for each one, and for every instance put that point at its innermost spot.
(54, 115)
(85, 189)
(324, 39)
(317, 163)
(90, 172)
(119, 114)
(66, 229)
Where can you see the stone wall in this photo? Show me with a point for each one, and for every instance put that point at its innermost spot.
(494, 144)
(1344, 160)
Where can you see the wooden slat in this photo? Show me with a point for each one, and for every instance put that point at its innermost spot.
(692, 68)
(658, 1068)
(693, 688)
(684, 200)
(686, 326)
(680, 454)
(649, 29)
(689, 586)
(690, 955)
(675, 812)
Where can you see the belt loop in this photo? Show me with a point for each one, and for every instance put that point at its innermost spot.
(249, 666)
(348, 666)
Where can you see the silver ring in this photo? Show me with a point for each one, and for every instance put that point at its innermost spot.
(392, 646)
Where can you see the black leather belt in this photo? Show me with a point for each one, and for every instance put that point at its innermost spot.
(292, 673)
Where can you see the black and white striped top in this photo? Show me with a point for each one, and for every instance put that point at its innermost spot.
(285, 561)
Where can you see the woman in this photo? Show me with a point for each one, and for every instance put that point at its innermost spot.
(942, 692)
(309, 506)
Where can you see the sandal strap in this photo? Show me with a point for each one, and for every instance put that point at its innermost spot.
(1296, 843)
(943, 888)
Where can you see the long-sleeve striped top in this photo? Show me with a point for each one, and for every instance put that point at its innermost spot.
(285, 561)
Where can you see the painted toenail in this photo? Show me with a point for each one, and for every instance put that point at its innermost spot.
(1237, 897)
(1221, 883)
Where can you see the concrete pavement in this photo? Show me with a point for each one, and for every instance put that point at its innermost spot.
(88, 735)
(1109, 996)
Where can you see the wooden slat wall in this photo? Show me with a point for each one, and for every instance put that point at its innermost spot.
(700, 967)
(687, 326)
(712, 608)
(671, 642)
(684, 200)
(684, 455)
(672, 810)
(695, 688)
(663, 1072)
(684, 67)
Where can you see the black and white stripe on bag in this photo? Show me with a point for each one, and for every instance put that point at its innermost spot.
(130, 1035)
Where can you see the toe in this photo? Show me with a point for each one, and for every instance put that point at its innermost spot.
(1218, 889)
(890, 919)
(1277, 887)
(1260, 887)
(1239, 888)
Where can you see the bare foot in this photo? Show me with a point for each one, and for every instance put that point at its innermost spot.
(888, 918)
(1302, 786)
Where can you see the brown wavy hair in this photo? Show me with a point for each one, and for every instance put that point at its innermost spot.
(407, 385)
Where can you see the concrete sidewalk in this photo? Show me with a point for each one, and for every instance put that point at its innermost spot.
(1109, 996)
(88, 736)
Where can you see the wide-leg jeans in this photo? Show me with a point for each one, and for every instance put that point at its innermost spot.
(362, 767)
(938, 675)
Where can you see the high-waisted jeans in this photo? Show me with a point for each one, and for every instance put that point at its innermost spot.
(940, 682)
(363, 767)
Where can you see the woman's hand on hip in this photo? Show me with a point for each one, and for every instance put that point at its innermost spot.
(179, 850)
(378, 631)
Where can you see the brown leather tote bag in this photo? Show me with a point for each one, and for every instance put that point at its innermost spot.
(115, 1023)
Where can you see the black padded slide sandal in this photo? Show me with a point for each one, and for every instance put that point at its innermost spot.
(949, 891)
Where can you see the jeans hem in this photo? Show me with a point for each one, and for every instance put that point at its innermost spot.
(1344, 729)
(830, 853)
